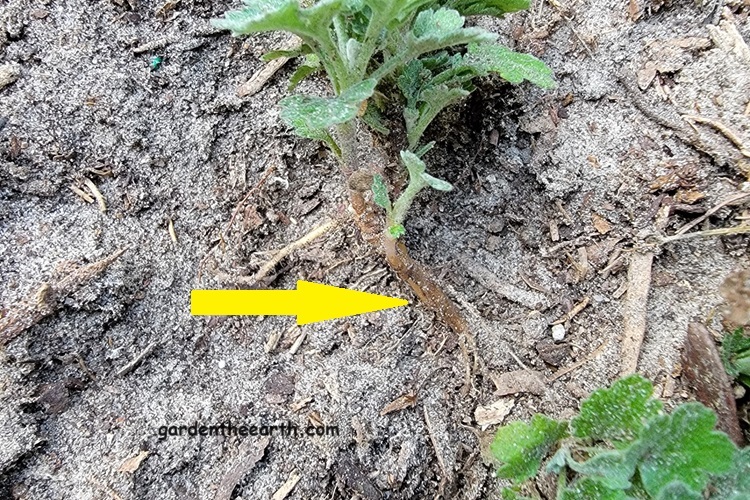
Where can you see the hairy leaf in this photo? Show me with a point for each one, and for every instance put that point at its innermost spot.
(312, 64)
(735, 353)
(310, 116)
(520, 447)
(380, 193)
(413, 163)
(677, 490)
(612, 468)
(590, 489)
(436, 183)
(277, 54)
(436, 30)
(683, 447)
(487, 7)
(511, 66)
(282, 15)
(617, 414)
(735, 484)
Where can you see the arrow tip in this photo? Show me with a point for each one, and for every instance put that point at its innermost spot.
(323, 302)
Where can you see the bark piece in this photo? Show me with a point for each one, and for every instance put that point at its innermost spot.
(705, 374)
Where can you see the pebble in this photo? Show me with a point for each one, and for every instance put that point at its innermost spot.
(558, 333)
(8, 74)
(222, 364)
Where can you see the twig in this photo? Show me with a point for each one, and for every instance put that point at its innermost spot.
(133, 364)
(48, 298)
(287, 487)
(733, 138)
(730, 200)
(724, 231)
(242, 202)
(634, 310)
(293, 247)
(573, 312)
(256, 82)
(97, 194)
(561, 373)
(635, 305)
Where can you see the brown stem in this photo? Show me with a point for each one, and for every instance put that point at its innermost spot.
(361, 160)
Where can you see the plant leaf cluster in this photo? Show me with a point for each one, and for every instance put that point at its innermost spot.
(421, 47)
(623, 446)
(735, 354)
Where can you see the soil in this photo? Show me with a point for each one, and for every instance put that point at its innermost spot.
(552, 186)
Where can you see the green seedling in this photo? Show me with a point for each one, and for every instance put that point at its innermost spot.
(622, 445)
(417, 55)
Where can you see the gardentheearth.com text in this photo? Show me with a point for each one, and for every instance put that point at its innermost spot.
(227, 429)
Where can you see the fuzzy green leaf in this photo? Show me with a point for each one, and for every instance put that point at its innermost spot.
(735, 353)
(278, 54)
(436, 30)
(311, 65)
(487, 7)
(380, 193)
(612, 468)
(312, 116)
(590, 489)
(436, 183)
(413, 163)
(511, 66)
(282, 15)
(617, 414)
(520, 447)
(677, 490)
(683, 447)
(735, 484)
(435, 99)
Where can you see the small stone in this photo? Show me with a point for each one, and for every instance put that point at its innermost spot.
(552, 353)
(222, 364)
(558, 333)
(9, 73)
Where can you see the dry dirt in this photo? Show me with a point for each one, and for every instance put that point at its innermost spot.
(551, 188)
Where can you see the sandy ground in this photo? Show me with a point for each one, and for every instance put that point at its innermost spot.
(554, 192)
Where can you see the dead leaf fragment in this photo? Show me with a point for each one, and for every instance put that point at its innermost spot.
(133, 463)
(403, 402)
(494, 413)
(688, 196)
(600, 223)
(518, 381)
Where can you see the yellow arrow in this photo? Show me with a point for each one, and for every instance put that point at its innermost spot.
(310, 302)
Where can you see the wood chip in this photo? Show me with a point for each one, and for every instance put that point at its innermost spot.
(494, 413)
(600, 223)
(250, 453)
(518, 381)
(133, 463)
(403, 402)
(705, 374)
(287, 487)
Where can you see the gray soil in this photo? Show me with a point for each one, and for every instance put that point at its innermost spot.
(175, 145)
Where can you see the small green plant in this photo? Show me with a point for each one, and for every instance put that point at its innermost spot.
(735, 353)
(622, 445)
(416, 55)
